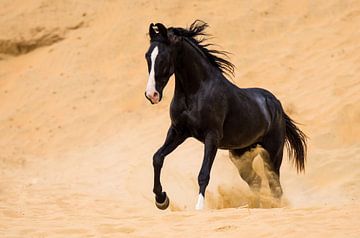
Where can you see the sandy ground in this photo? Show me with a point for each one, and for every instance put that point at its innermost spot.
(77, 135)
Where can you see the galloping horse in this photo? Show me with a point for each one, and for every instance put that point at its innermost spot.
(216, 112)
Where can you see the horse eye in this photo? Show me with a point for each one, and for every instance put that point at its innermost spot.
(164, 70)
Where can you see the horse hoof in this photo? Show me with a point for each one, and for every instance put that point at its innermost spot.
(163, 205)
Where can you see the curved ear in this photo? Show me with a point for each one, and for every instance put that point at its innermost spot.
(152, 32)
(162, 30)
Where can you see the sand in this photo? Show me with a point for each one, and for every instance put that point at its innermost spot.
(77, 134)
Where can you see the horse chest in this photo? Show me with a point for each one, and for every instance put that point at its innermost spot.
(189, 119)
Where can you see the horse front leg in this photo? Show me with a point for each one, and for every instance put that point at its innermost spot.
(173, 139)
(211, 145)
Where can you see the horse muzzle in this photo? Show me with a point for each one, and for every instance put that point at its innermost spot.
(153, 97)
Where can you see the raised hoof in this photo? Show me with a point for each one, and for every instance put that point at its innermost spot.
(163, 205)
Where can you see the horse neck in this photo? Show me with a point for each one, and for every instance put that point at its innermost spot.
(192, 69)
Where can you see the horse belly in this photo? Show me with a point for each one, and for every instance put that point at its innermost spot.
(242, 134)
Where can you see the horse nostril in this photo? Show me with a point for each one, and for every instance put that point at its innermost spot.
(156, 94)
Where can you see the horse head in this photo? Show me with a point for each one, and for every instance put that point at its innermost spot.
(160, 61)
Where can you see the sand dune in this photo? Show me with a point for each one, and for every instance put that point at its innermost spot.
(77, 135)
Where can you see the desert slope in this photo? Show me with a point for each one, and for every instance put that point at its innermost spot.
(77, 134)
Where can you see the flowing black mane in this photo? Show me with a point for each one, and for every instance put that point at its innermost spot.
(196, 29)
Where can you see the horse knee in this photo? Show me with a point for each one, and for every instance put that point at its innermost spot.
(158, 160)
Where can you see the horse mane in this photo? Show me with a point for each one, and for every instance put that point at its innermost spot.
(215, 57)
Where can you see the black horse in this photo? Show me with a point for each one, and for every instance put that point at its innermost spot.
(216, 112)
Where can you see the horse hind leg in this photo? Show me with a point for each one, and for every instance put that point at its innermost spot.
(243, 160)
(272, 161)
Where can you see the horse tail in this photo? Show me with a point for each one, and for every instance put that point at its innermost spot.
(295, 141)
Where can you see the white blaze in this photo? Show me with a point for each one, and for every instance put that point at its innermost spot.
(150, 87)
(200, 202)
